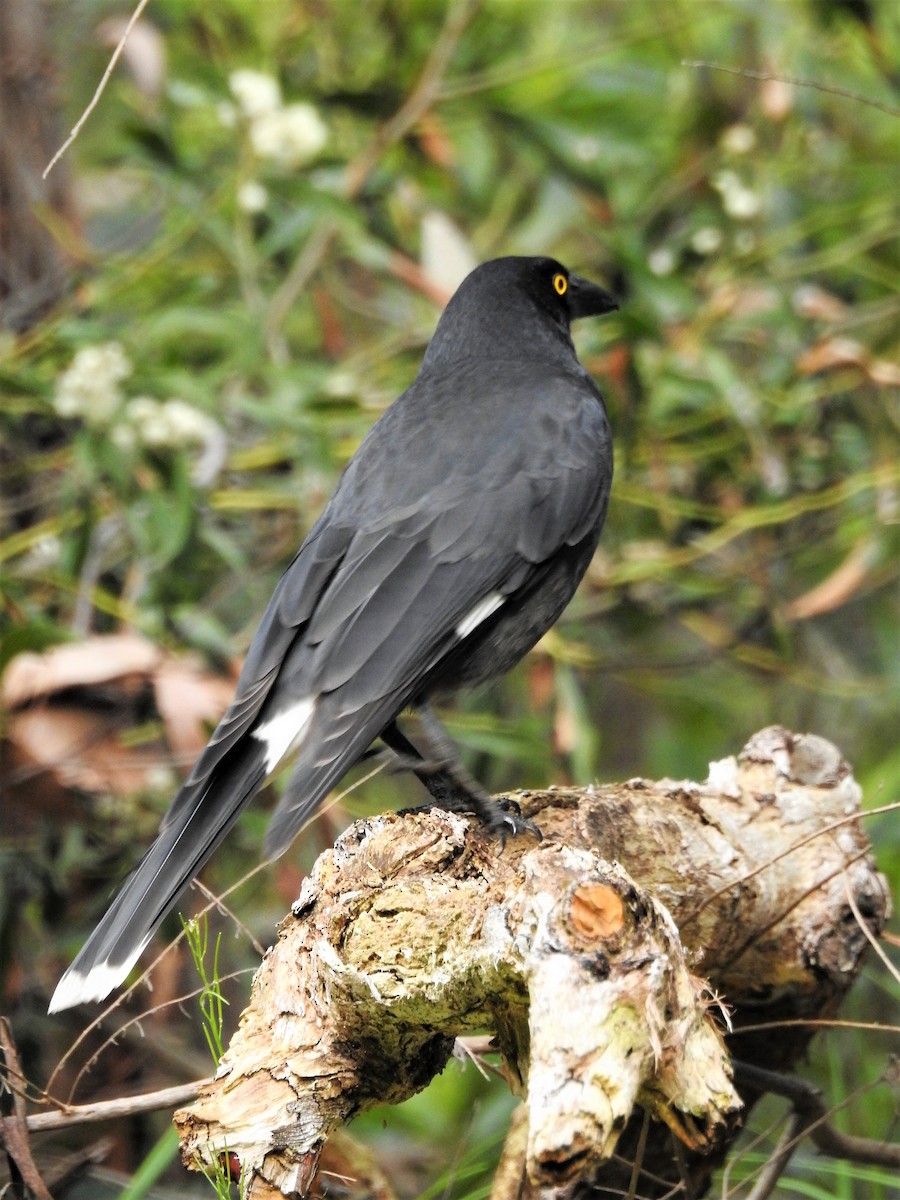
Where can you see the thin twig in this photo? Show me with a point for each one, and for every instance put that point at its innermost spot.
(418, 102)
(222, 907)
(302, 270)
(775, 1167)
(101, 87)
(816, 1023)
(639, 1152)
(759, 1139)
(684, 1170)
(867, 932)
(142, 1016)
(831, 88)
(13, 1129)
(809, 1104)
(122, 1106)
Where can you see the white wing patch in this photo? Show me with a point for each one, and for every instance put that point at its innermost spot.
(479, 613)
(284, 732)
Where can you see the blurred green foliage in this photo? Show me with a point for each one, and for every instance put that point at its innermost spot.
(748, 572)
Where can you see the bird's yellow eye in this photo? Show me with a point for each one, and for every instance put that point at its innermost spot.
(560, 284)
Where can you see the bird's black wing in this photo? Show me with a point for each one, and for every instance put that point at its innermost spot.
(498, 497)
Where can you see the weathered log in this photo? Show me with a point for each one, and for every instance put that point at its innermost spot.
(414, 929)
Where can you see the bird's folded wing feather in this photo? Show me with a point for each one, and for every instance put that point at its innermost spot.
(377, 594)
(397, 603)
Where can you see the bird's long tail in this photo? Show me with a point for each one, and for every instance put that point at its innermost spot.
(197, 826)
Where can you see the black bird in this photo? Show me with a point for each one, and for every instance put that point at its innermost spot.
(455, 538)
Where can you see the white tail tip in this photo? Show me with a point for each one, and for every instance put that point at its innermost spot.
(75, 987)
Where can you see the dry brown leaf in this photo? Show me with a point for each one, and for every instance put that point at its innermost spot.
(884, 373)
(57, 740)
(565, 730)
(830, 353)
(816, 304)
(540, 682)
(334, 339)
(613, 365)
(83, 750)
(434, 141)
(98, 660)
(845, 352)
(410, 273)
(777, 98)
(743, 300)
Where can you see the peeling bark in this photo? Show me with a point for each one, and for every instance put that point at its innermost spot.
(415, 929)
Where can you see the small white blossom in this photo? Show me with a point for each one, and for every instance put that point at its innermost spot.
(169, 425)
(341, 385)
(738, 139)
(123, 437)
(146, 416)
(587, 149)
(46, 552)
(706, 240)
(187, 424)
(252, 197)
(256, 92)
(290, 136)
(89, 388)
(141, 409)
(739, 201)
(743, 204)
(662, 261)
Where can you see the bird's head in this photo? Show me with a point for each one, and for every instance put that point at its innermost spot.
(515, 307)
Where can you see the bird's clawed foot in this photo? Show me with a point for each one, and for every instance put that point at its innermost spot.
(449, 783)
(504, 818)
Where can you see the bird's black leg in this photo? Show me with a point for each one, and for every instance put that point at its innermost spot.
(441, 787)
(459, 791)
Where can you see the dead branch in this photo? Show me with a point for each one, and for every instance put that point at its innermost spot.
(13, 1129)
(414, 929)
(107, 1110)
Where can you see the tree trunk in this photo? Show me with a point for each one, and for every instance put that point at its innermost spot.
(33, 267)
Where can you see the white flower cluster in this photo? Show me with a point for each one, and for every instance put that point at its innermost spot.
(738, 139)
(252, 197)
(738, 200)
(167, 424)
(256, 92)
(89, 388)
(288, 135)
(706, 240)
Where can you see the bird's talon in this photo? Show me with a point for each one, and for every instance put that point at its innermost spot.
(512, 824)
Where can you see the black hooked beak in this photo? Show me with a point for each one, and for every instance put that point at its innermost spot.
(588, 299)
